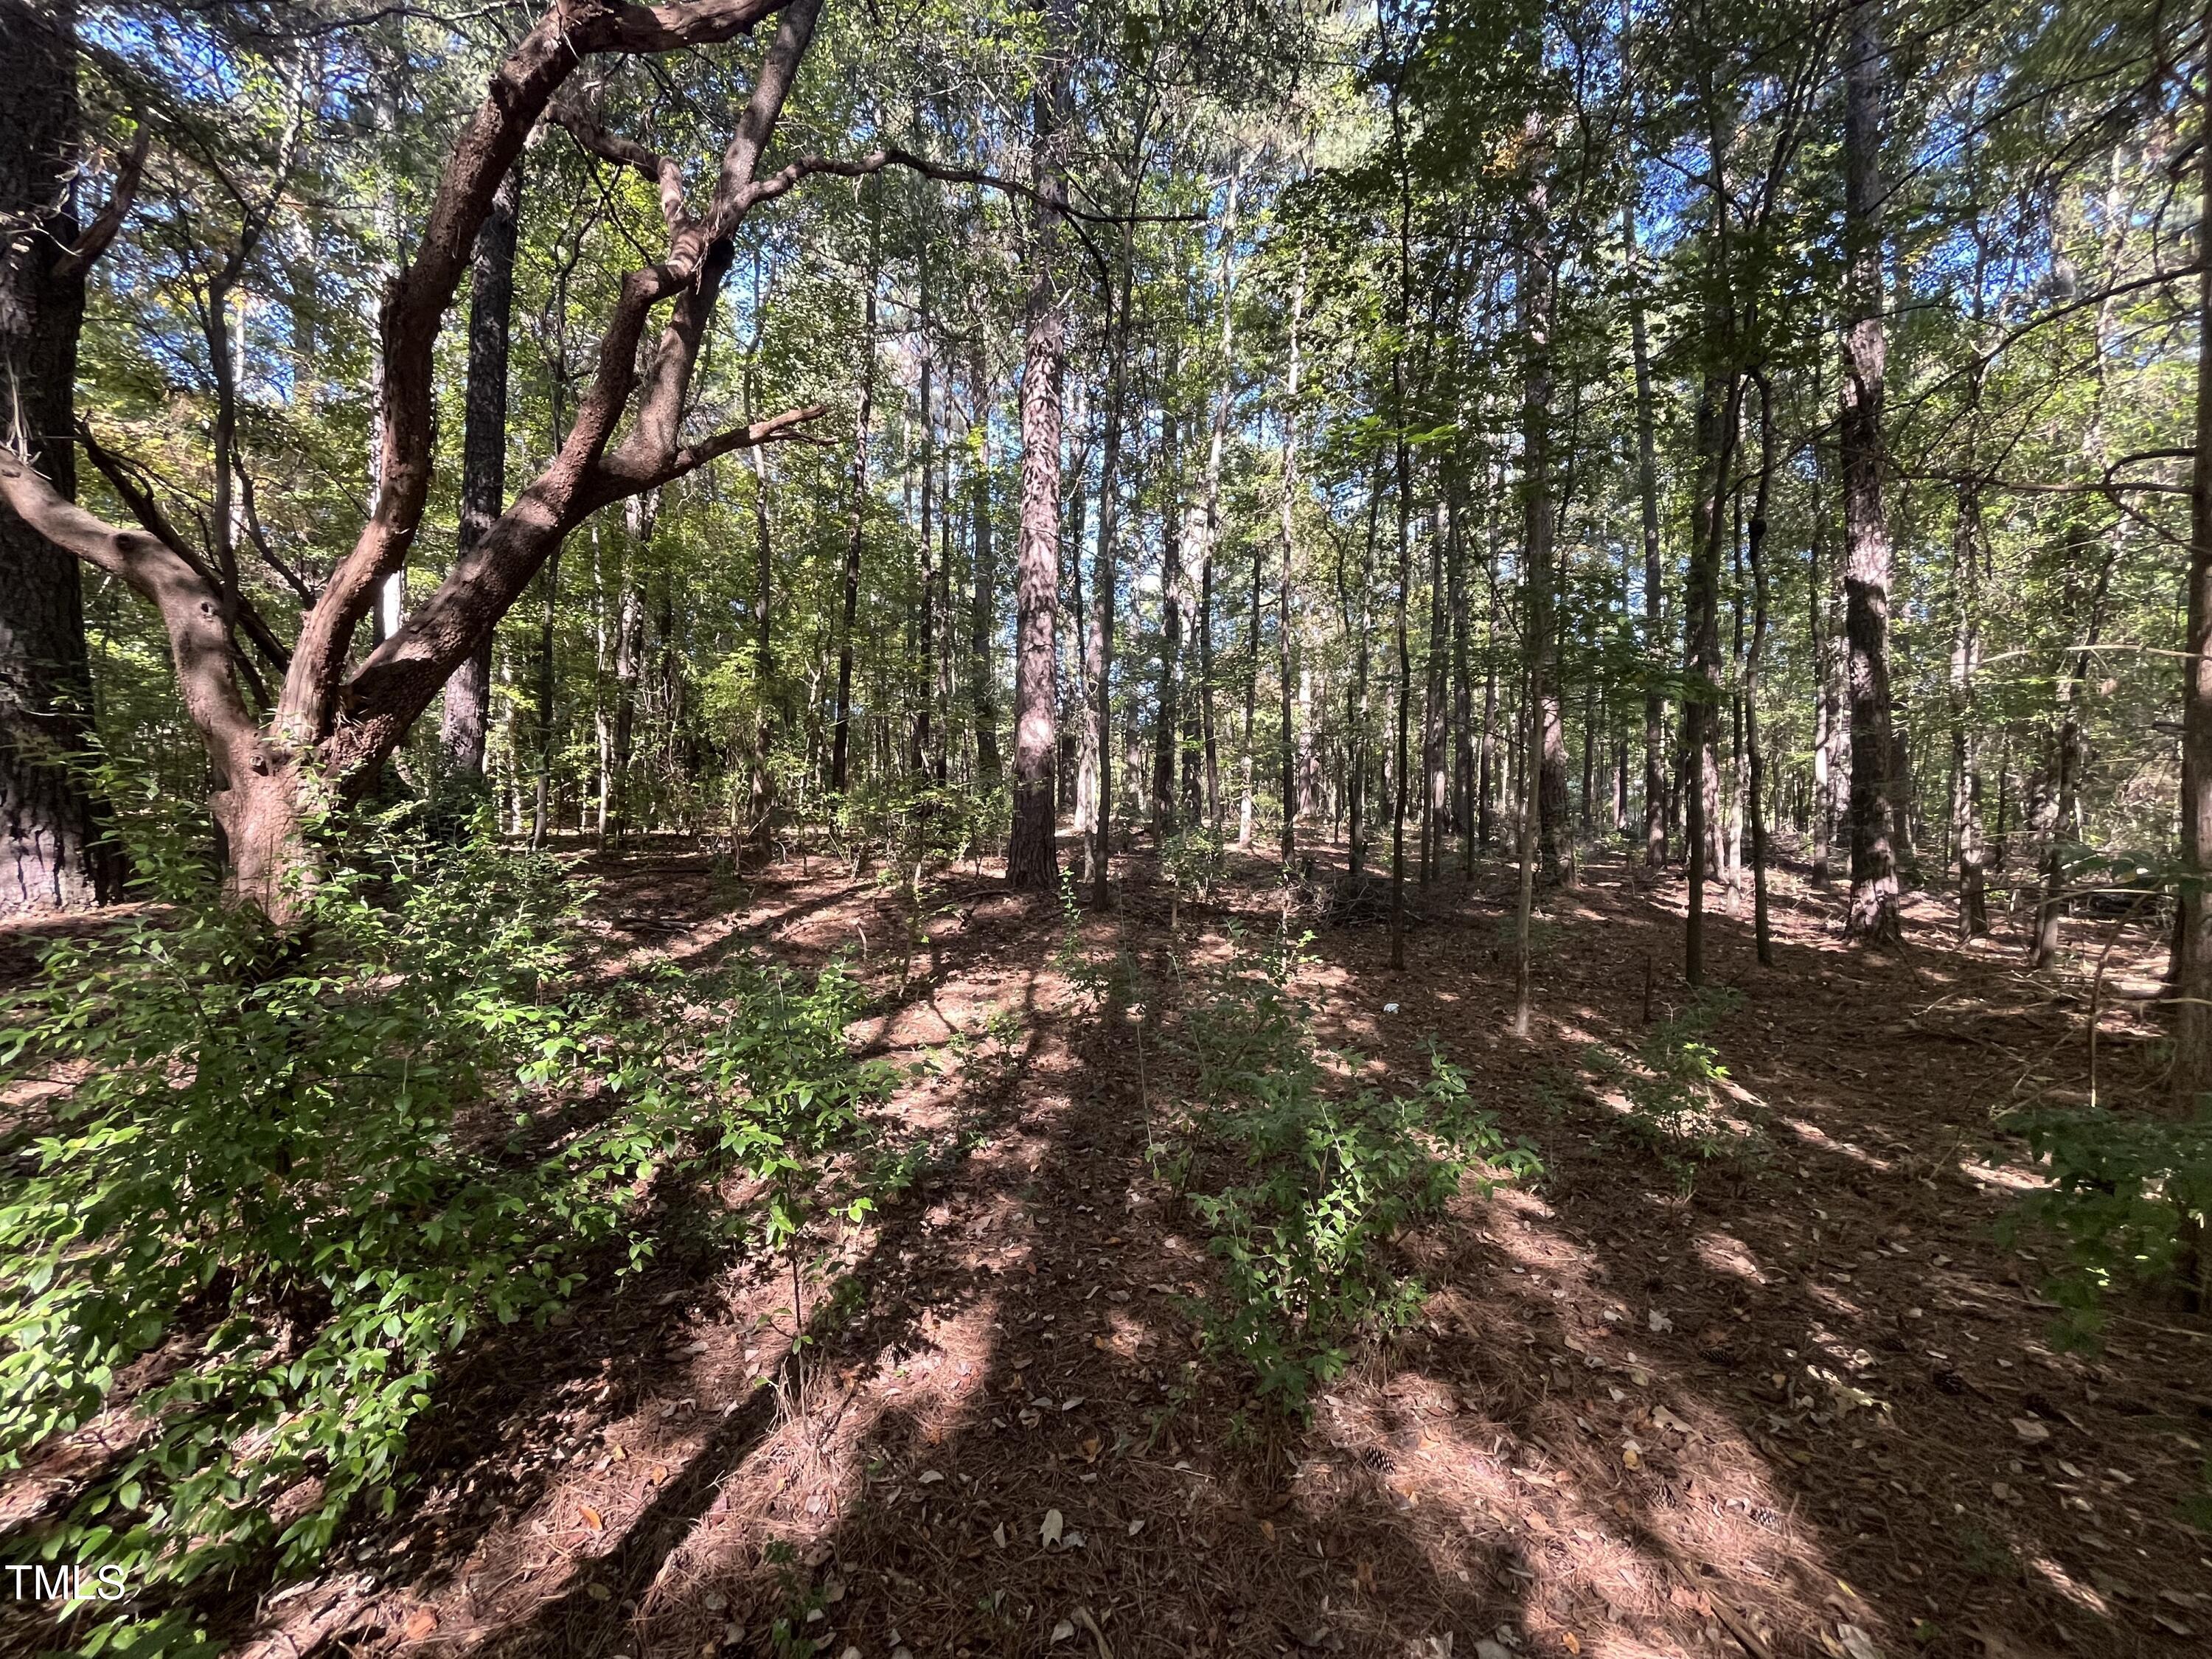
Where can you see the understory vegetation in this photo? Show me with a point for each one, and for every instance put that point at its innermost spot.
(1199, 827)
(261, 1189)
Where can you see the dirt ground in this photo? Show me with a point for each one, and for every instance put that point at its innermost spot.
(1808, 1407)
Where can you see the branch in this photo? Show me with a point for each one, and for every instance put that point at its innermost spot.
(191, 606)
(892, 156)
(626, 152)
(109, 220)
(611, 482)
(148, 511)
(259, 537)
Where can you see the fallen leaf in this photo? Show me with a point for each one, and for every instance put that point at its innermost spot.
(592, 1519)
(1573, 1644)
(2030, 1430)
(1054, 1525)
(1267, 1530)
(420, 1624)
(931, 1477)
(1362, 1576)
(1090, 1446)
(1856, 1643)
(999, 1534)
(1660, 1321)
(1063, 1630)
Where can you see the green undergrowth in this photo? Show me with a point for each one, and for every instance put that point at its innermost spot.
(1670, 1088)
(264, 1188)
(1304, 1177)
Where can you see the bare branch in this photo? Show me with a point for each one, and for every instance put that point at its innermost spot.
(121, 475)
(109, 220)
(661, 172)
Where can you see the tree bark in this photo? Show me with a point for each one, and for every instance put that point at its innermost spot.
(1874, 915)
(1103, 577)
(53, 856)
(983, 598)
(467, 713)
(1289, 506)
(1032, 858)
(856, 513)
(2192, 961)
(1167, 725)
(1755, 757)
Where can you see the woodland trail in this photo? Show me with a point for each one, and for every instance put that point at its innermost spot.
(1806, 1406)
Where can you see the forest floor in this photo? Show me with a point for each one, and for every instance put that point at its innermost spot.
(1797, 1401)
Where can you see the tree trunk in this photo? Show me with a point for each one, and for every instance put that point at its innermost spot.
(984, 600)
(1549, 734)
(1168, 724)
(1032, 858)
(1755, 758)
(2192, 956)
(1874, 915)
(641, 513)
(53, 857)
(1647, 490)
(857, 513)
(1105, 579)
(1283, 584)
(467, 712)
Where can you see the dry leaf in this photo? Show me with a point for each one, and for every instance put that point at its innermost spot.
(592, 1519)
(1267, 1530)
(1364, 1576)
(1054, 1526)
(2030, 1430)
(1091, 1445)
(420, 1623)
(1063, 1630)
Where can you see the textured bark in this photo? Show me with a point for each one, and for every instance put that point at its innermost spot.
(1167, 724)
(52, 855)
(2192, 956)
(1103, 577)
(982, 612)
(1754, 546)
(1032, 860)
(856, 518)
(1549, 735)
(1874, 915)
(1287, 525)
(1224, 397)
(467, 710)
(1647, 490)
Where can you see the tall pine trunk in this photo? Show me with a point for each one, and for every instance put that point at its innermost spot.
(467, 712)
(53, 857)
(856, 519)
(1032, 858)
(1874, 914)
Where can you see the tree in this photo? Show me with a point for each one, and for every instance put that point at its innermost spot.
(1874, 915)
(330, 727)
(52, 854)
(1032, 857)
(483, 455)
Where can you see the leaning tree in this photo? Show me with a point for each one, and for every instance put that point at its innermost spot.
(328, 726)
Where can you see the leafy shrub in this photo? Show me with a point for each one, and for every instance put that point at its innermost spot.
(2129, 1196)
(1329, 1179)
(1672, 1084)
(273, 1183)
(1194, 861)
